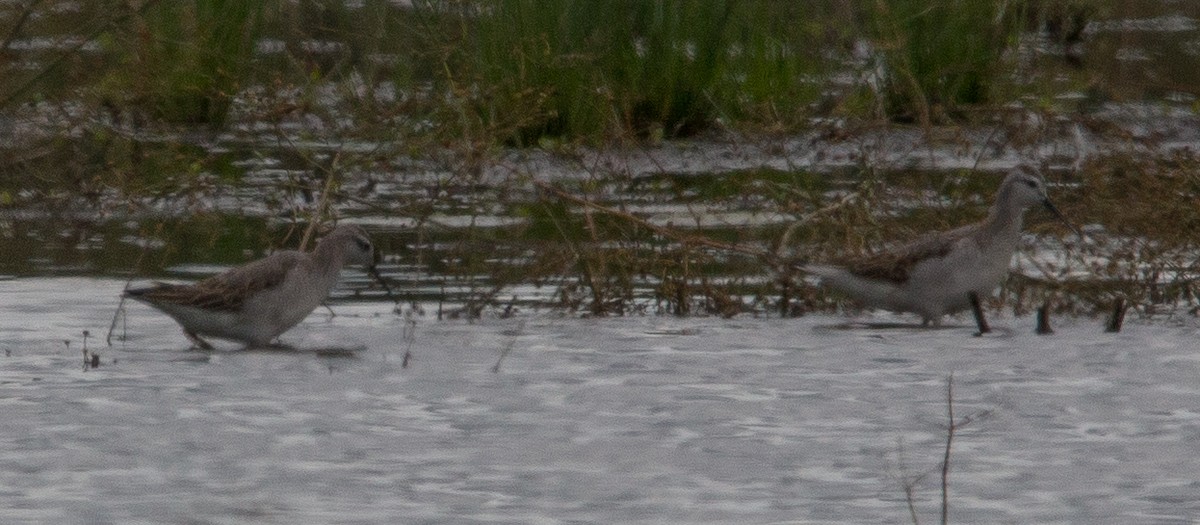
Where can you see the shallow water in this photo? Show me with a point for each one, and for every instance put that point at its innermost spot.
(618, 420)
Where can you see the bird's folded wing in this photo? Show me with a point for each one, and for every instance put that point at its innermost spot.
(896, 264)
(229, 290)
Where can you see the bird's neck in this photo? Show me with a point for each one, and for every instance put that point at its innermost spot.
(1005, 219)
(329, 257)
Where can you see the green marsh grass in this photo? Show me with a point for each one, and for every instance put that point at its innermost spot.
(943, 57)
(186, 60)
(472, 75)
(605, 68)
(334, 41)
(48, 50)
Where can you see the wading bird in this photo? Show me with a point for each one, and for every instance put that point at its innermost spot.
(933, 275)
(256, 302)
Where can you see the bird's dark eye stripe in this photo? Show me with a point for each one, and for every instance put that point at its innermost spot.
(362, 245)
(1031, 183)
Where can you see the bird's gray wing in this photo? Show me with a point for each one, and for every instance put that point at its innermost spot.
(896, 264)
(229, 290)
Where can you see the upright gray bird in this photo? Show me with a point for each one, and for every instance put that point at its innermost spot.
(933, 275)
(256, 302)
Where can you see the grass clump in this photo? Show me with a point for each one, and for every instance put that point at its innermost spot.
(940, 57)
(186, 60)
(662, 68)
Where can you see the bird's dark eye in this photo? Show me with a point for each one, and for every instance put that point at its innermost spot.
(1031, 183)
(362, 245)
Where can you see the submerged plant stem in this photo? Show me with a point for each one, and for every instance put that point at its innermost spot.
(946, 457)
(133, 273)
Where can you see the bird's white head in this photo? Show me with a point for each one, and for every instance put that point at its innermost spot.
(1025, 187)
(354, 244)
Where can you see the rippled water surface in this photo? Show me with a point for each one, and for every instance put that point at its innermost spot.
(618, 420)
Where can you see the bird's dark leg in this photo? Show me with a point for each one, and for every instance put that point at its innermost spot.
(977, 309)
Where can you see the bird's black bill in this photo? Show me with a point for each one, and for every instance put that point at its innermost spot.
(374, 272)
(1054, 209)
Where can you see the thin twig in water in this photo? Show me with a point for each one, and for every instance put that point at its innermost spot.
(89, 358)
(374, 272)
(909, 483)
(508, 347)
(117, 314)
(954, 426)
(137, 265)
(910, 490)
(946, 457)
(85, 351)
(410, 335)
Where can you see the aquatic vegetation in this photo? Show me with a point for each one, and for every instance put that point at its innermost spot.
(664, 68)
(185, 61)
(938, 58)
(311, 110)
(1144, 218)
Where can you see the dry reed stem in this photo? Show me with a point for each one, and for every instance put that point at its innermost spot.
(322, 203)
(69, 53)
(954, 426)
(672, 233)
(132, 274)
(512, 341)
(949, 441)
(26, 12)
